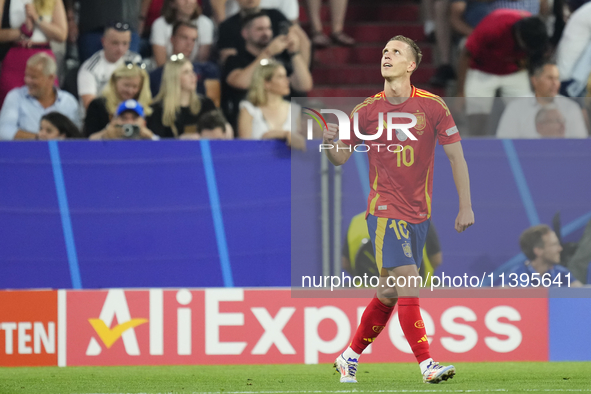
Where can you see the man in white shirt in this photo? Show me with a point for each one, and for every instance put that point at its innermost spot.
(519, 118)
(26, 105)
(574, 52)
(95, 72)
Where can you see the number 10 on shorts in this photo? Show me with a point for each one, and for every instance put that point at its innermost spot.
(400, 229)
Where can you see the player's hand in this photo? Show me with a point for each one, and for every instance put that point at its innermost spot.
(464, 220)
(330, 133)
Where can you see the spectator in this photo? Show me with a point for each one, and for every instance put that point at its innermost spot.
(128, 123)
(465, 15)
(24, 106)
(129, 81)
(357, 256)
(32, 26)
(444, 71)
(223, 9)
(550, 122)
(531, 6)
(265, 114)
(260, 44)
(522, 116)
(95, 72)
(542, 248)
(184, 35)
(231, 40)
(574, 53)
(213, 125)
(181, 10)
(177, 107)
(55, 126)
(96, 15)
(495, 58)
(338, 9)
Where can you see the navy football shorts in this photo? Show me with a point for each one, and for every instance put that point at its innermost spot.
(396, 242)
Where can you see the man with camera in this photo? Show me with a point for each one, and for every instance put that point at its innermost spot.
(127, 124)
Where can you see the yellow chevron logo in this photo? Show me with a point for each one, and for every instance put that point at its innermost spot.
(110, 336)
(423, 339)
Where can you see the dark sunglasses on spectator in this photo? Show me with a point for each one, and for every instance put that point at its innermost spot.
(130, 64)
(120, 26)
(177, 57)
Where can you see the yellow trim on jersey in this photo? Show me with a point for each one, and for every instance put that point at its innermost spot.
(375, 181)
(380, 232)
(425, 94)
(367, 101)
(427, 198)
(372, 204)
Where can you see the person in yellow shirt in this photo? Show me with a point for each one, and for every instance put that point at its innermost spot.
(358, 255)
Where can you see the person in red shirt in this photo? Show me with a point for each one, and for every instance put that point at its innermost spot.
(495, 58)
(399, 205)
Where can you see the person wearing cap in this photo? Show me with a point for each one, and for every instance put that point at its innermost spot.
(128, 123)
(25, 106)
(95, 72)
(129, 81)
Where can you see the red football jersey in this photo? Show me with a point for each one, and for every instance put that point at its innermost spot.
(401, 178)
(492, 44)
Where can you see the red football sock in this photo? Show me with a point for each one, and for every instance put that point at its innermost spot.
(412, 324)
(373, 321)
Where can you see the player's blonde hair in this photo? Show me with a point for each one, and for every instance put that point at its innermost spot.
(170, 93)
(144, 96)
(257, 94)
(416, 51)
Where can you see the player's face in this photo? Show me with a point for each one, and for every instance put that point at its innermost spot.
(397, 59)
(260, 32)
(116, 44)
(184, 40)
(551, 250)
(279, 83)
(548, 82)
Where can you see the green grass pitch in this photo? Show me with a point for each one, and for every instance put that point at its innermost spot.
(516, 377)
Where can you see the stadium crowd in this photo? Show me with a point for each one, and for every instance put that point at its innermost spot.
(226, 68)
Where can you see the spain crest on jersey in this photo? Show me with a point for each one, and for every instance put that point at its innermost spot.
(406, 249)
(421, 122)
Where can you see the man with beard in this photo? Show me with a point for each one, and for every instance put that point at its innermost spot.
(230, 41)
(260, 45)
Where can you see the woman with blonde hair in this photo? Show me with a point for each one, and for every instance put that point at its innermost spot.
(129, 81)
(177, 108)
(265, 114)
(26, 30)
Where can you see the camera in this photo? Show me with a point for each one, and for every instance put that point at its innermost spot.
(130, 130)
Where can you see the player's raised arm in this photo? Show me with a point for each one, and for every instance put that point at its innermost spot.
(340, 152)
(459, 168)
